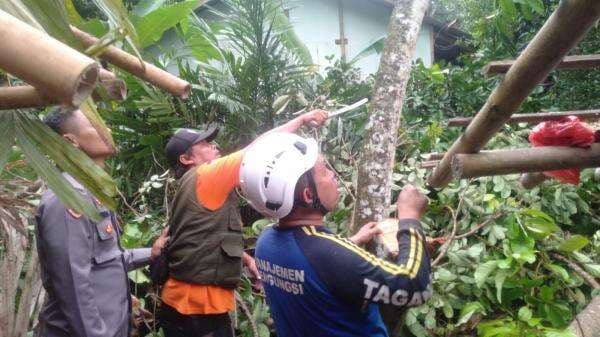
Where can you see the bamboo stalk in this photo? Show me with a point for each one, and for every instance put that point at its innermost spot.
(23, 97)
(537, 159)
(568, 63)
(115, 89)
(146, 71)
(531, 180)
(560, 33)
(54, 68)
(534, 117)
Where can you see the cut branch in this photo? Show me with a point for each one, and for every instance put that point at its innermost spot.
(144, 70)
(531, 180)
(576, 268)
(562, 31)
(534, 117)
(55, 69)
(537, 159)
(568, 63)
(23, 97)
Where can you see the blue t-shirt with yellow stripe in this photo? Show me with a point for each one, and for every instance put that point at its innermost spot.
(320, 284)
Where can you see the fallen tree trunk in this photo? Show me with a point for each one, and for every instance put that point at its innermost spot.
(144, 70)
(534, 117)
(587, 322)
(567, 25)
(54, 68)
(568, 63)
(536, 159)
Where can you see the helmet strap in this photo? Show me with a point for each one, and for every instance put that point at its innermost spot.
(316, 203)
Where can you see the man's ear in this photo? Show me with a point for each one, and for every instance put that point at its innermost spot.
(69, 137)
(307, 195)
(185, 159)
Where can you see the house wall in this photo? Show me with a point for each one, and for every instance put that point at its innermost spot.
(316, 22)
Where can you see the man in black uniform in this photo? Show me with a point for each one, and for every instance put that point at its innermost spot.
(84, 268)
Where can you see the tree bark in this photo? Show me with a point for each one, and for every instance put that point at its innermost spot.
(587, 324)
(378, 153)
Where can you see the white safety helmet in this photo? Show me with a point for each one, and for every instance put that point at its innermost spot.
(271, 168)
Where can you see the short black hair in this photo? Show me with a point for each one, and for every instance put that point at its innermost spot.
(57, 118)
(180, 169)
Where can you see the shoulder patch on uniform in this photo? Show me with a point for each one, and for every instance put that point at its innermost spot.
(73, 213)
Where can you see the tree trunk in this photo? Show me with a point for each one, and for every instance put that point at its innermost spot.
(587, 324)
(378, 153)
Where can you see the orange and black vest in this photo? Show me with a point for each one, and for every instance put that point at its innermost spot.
(206, 246)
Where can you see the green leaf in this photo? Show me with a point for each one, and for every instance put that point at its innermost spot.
(68, 158)
(263, 330)
(525, 314)
(468, 310)
(376, 47)
(7, 137)
(444, 275)
(575, 242)
(559, 333)
(539, 222)
(138, 276)
(499, 281)
(146, 6)
(151, 27)
(558, 270)
(57, 183)
(508, 7)
(117, 15)
(483, 271)
(289, 38)
(536, 5)
(593, 269)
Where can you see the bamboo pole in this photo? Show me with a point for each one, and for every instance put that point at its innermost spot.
(536, 159)
(146, 71)
(560, 33)
(26, 96)
(54, 68)
(116, 90)
(568, 63)
(23, 97)
(531, 180)
(534, 117)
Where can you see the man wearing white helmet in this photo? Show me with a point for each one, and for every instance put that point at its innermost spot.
(317, 283)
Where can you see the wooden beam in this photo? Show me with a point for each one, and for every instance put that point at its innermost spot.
(144, 70)
(536, 159)
(567, 25)
(54, 68)
(534, 117)
(568, 63)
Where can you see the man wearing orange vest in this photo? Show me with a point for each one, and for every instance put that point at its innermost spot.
(205, 254)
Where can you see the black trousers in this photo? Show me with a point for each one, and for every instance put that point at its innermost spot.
(175, 324)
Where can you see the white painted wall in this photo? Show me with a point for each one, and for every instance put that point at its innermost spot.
(316, 22)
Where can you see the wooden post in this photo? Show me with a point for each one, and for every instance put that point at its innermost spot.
(562, 31)
(568, 63)
(55, 69)
(536, 117)
(144, 70)
(535, 159)
(531, 180)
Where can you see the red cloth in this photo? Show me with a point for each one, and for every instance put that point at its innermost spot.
(569, 131)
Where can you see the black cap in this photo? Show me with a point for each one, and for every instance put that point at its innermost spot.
(183, 139)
